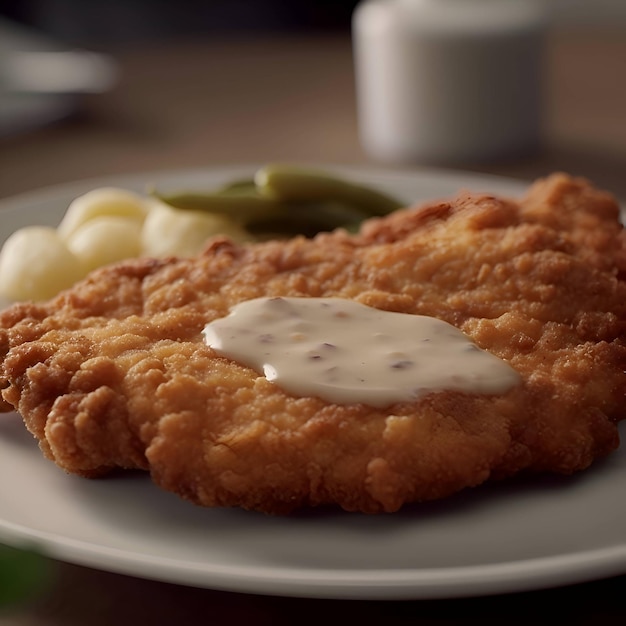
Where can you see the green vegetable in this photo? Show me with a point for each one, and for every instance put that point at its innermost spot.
(307, 220)
(239, 207)
(293, 184)
(283, 200)
(245, 185)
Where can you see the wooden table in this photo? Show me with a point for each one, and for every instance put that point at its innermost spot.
(219, 102)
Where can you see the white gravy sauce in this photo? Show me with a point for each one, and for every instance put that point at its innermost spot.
(346, 352)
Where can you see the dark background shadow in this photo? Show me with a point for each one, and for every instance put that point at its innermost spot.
(100, 22)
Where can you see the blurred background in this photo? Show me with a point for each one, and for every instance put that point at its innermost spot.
(188, 83)
(104, 22)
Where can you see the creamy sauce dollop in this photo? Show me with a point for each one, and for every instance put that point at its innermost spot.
(346, 352)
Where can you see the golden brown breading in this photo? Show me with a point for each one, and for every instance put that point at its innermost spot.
(114, 372)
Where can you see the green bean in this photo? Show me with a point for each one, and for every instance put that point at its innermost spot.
(245, 185)
(239, 207)
(285, 200)
(309, 219)
(293, 184)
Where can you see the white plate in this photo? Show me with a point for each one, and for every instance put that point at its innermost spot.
(517, 536)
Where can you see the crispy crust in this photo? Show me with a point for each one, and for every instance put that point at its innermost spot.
(114, 373)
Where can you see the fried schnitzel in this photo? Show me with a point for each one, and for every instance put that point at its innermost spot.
(114, 373)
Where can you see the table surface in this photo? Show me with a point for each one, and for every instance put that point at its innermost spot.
(215, 102)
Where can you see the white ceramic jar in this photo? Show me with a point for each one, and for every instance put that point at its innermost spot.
(448, 81)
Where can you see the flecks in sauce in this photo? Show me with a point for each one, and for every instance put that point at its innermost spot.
(346, 352)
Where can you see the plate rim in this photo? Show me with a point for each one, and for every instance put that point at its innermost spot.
(385, 584)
